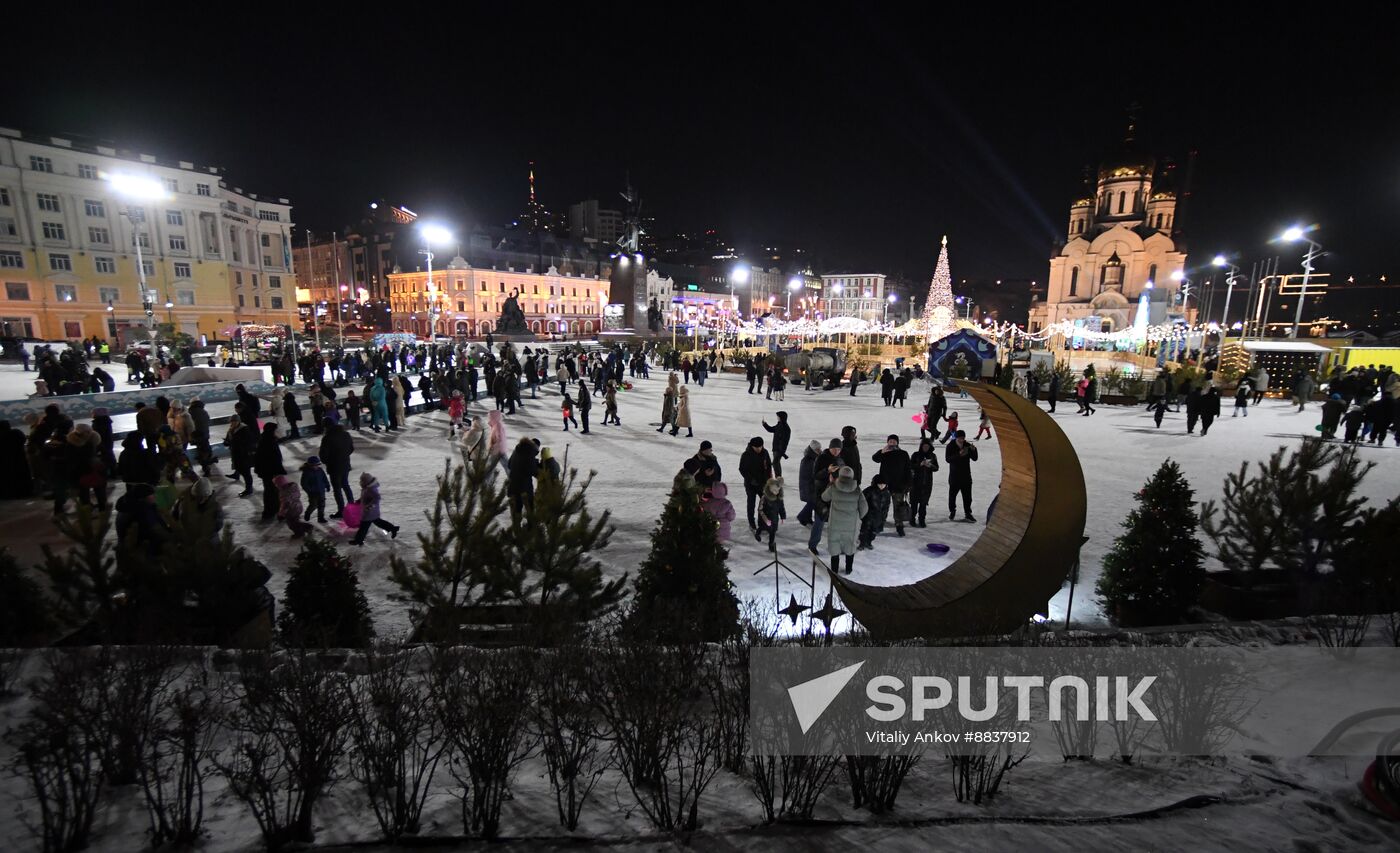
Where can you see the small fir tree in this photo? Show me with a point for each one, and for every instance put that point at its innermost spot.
(683, 591)
(324, 606)
(463, 550)
(84, 574)
(25, 614)
(1155, 567)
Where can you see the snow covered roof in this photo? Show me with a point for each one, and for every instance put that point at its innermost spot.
(1284, 346)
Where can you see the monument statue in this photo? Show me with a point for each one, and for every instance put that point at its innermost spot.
(512, 320)
(653, 316)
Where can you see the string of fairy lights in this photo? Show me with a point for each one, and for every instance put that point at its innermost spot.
(1010, 332)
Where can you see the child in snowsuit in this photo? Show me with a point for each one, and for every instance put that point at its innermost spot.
(771, 511)
(567, 409)
(456, 409)
(877, 498)
(289, 505)
(1159, 409)
(715, 501)
(984, 424)
(952, 429)
(1241, 400)
(369, 510)
(315, 483)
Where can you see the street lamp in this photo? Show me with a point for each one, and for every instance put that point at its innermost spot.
(1293, 235)
(1221, 261)
(890, 300)
(1180, 277)
(794, 283)
(340, 312)
(740, 275)
(432, 234)
(139, 188)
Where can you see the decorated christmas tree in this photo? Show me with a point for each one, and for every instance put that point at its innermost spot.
(324, 606)
(939, 308)
(1154, 572)
(683, 592)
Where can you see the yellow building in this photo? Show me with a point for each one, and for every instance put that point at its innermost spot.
(470, 300)
(213, 255)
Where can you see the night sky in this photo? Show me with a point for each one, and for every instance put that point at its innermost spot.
(862, 140)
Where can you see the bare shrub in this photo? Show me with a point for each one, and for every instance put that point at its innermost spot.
(789, 786)
(1200, 700)
(398, 738)
(876, 779)
(666, 741)
(136, 677)
(290, 722)
(484, 699)
(571, 732)
(178, 757)
(1391, 623)
(1344, 631)
(726, 680)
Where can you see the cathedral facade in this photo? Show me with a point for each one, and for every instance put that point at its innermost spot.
(1122, 242)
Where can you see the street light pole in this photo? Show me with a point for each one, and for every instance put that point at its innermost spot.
(311, 280)
(339, 291)
(1314, 250)
(1229, 289)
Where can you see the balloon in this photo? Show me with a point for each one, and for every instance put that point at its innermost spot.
(919, 418)
(352, 515)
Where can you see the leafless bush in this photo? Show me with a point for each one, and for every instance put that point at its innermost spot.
(398, 738)
(1200, 700)
(665, 739)
(59, 751)
(11, 669)
(571, 732)
(876, 779)
(1344, 631)
(1077, 739)
(484, 700)
(726, 679)
(788, 786)
(290, 722)
(1391, 624)
(178, 757)
(977, 774)
(136, 676)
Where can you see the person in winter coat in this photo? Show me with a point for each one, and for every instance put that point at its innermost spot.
(952, 421)
(1303, 389)
(708, 471)
(847, 508)
(496, 439)
(1210, 408)
(316, 401)
(715, 501)
(1260, 381)
(549, 466)
(474, 439)
(267, 464)
(199, 435)
(610, 405)
(200, 501)
(289, 505)
(1159, 410)
(84, 471)
(1054, 390)
(370, 512)
(1332, 412)
(923, 463)
(934, 412)
(901, 387)
(378, 405)
(887, 387)
(337, 446)
(17, 482)
(585, 402)
(1193, 409)
(391, 405)
(668, 401)
(291, 411)
(520, 483)
(682, 413)
(806, 488)
(315, 483)
(137, 463)
(898, 477)
(877, 499)
(1354, 417)
(456, 410)
(242, 444)
(137, 516)
(353, 406)
(782, 434)
(400, 394)
(960, 456)
(756, 467)
(1241, 400)
(566, 408)
(771, 512)
(1091, 392)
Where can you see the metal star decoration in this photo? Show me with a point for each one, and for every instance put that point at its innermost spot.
(828, 614)
(793, 610)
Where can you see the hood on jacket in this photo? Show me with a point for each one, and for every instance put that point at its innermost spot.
(719, 491)
(281, 481)
(367, 480)
(814, 447)
(845, 480)
(773, 489)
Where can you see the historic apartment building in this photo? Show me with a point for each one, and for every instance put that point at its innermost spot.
(466, 300)
(1122, 242)
(214, 256)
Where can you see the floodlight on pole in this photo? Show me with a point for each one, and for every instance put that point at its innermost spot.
(1222, 261)
(140, 188)
(1293, 235)
(433, 234)
(136, 186)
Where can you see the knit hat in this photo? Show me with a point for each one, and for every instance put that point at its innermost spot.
(705, 445)
(892, 437)
(815, 446)
(280, 480)
(546, 454)
(202, 488)
(756, 441)
(782, 416)
(835, 442)
(845, 478)
(314, 460)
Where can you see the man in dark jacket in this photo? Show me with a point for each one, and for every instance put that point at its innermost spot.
(204, 454)
(805, 469)
(1193, 409)
(960, 455)
(137, 464)
(707, 467)
(782, 434)
(520, 483)
(1210, 409)
(751, 372)
(252, 406)
(850, 453)
(267, 464)
(584, 403)
(1054, 389)
(337, 446)
(894, 468)
(755, 466)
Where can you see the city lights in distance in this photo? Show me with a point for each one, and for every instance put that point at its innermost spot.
(136, 186)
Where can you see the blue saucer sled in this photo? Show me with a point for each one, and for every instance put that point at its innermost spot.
(937, 548)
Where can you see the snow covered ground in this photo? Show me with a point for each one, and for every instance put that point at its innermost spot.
(1118, 448)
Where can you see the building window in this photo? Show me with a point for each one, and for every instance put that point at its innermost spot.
(171, 185)
(142, 239)
(238, 278)
(177, 244)
(276, 302)
(72, 329)
(17, 291)
(266, 240)
(88, 171)
(66, 292)
(94, 208)
(267, 260)
(503, 287)
(1074, 282)
(55, 231)
(202, 189)
(174, 217)
(17, 327)
(8, 228)
(255, 280)
(99, 235)
(257, 303)
(108, 295)
(40, 164)
(274, 281)
(1121, 197)
(148, 266)
(4, 197)
(60, 263)
(240, 300)
(483, 287)
(48, 202)
(269, 216)
(461, 305)
(182, 270)
(1152, 273)
(105, 265)
(184, 297)
(11, 261)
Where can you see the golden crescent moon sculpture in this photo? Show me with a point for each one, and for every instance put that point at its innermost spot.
(1024, 553)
